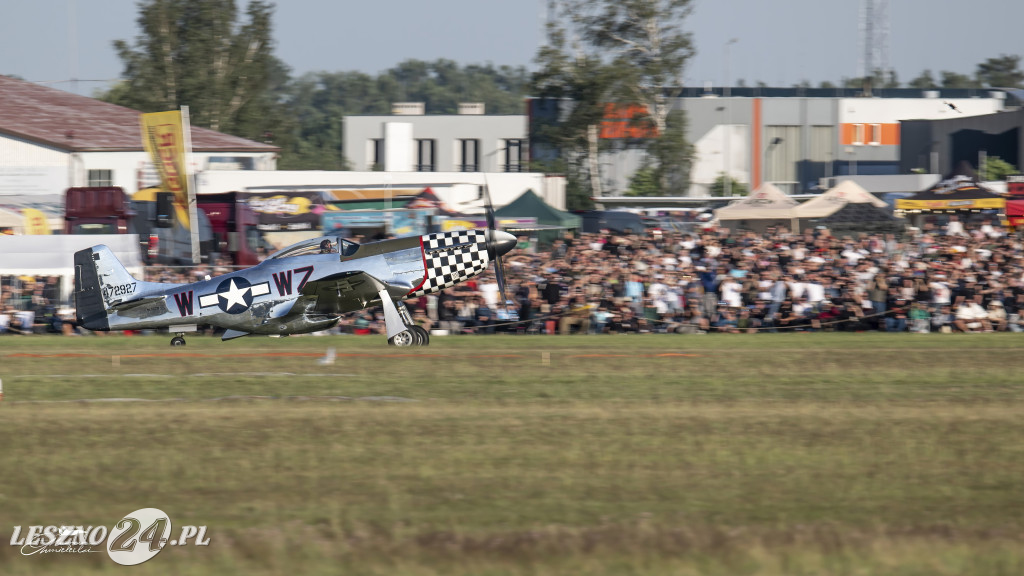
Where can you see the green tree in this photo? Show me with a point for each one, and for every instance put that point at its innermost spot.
(955, 80)
(924, 81)
(196, 53)
(879, 79)
(995, 168)
(637, 50)
(673, 155)
(735, 187)
(317, 103)
(441, 85)
(889, 80)
(577, 84)
(1001, 72)
(644, 182)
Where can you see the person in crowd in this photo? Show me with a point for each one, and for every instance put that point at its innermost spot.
(997, 315)
(971, 316)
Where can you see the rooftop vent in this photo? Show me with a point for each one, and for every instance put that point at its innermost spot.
(408, 108)
(471, 108)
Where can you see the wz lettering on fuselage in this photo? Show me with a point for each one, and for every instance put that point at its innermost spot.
(184, 302)
(283, 280)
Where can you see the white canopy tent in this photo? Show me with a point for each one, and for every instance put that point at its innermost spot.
(766, 206)
(846, 192)
(55, 255)
(13, 220)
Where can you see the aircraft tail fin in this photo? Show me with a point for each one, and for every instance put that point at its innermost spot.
(89, 310)
(101, 283)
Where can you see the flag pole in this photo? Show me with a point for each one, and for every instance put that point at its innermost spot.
(190, 178)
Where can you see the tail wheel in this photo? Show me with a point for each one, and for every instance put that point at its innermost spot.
(403, 339)
(177, 341)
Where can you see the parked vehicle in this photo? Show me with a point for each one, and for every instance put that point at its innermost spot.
(615, 221)
(96, 210)
(227, 227)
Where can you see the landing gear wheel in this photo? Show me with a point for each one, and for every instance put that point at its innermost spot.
(422, 334)
(403, 339)
(177, 341)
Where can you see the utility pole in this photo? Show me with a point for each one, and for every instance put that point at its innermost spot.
(727, 93)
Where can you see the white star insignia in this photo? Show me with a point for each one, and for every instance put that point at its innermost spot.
(234, 296)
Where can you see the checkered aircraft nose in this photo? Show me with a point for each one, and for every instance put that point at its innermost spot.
(452, 257)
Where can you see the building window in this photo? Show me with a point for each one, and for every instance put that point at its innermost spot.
(375, 154)
(858, 133)
(876, 134)
(101, 178)
(469, 154)
(513, 156)
(231, 163)
(425, 155)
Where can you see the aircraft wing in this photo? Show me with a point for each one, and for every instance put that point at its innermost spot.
(349, 291)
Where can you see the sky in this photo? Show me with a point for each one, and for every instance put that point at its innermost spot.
(778, 42)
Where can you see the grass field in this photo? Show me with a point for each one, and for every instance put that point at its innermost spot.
(731, 454)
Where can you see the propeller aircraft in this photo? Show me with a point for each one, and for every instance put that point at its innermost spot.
(303, 288)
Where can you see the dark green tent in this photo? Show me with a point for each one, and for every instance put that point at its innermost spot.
(529, 205)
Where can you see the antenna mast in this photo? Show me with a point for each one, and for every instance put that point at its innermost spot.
(874, 38)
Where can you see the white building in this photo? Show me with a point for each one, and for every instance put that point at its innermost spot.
(408, 140)
(51, 140)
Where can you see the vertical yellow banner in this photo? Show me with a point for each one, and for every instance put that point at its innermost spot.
(163, 139)
(35, 222)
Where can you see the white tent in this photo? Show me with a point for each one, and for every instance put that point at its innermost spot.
(761, 208)
(55, 255)
(846, 192)
(14, 220)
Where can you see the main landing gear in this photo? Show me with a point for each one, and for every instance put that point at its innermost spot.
(413, 335)
(402, 331)
(178, 340)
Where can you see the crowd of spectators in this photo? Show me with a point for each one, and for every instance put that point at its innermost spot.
(31, 304)
(948, 278)
(938, 279)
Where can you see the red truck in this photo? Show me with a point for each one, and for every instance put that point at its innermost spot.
(96, 210)
(226, 226)
(234, 227)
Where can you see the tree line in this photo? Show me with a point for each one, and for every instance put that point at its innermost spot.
(1002, 71)
(220, 63)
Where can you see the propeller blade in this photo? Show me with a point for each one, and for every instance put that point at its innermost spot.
(489, 207)
(499, 273)
(498, 243)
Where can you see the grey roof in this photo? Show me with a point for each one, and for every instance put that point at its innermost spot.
(76, 123)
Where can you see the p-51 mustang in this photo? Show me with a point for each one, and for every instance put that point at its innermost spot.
(306, 287)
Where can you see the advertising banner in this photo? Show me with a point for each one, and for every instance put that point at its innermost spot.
(287, 211)
(396, 222)
(164, 140)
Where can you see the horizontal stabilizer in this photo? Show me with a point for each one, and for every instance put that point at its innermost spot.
(232, 334)
(134, 303)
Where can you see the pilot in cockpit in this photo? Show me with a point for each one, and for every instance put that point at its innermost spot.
(325, 247)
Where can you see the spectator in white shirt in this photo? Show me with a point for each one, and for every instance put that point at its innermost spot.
(971, 316)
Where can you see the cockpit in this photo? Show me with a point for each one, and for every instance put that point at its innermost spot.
(321, 245)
